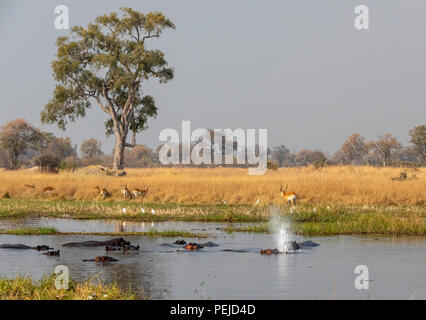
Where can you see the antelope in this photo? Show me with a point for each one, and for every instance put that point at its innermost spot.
(103, 192)
(48, 190)
(290, 196)
(136, 193)
(126, 193)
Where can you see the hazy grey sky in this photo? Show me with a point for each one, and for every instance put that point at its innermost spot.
(298, 68)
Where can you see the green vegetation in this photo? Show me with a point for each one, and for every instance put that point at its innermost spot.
(31, 231)
(24, 288)
(392, 220)
(81, 209)
(389, 220)
(327, 221)
(257, 228)
(149, 233)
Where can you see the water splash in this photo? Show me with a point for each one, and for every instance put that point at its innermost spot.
(280, 227)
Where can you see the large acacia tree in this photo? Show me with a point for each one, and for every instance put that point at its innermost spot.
(106, 64)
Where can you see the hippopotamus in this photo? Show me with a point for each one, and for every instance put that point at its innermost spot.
(199, 245)
(308, 244)
(270, 251)
(117, 242)
(292, 246)
(24, 247)
(52, 253)
(123, 248)
(192, 246)
(102, 259)
(209, 244)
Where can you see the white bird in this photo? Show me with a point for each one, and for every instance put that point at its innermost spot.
(314, 210)
(153, 211)
(258, 201)
(124, 210)
(224, 202)
(328, 208)
(143, 210)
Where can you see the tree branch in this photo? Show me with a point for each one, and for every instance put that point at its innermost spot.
(133, 144)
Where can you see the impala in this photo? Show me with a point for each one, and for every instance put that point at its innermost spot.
(125, 192)
(48, 190)
(289, 196)
(103, 192)
(136, 193)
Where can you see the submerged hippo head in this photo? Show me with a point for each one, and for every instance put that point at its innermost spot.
(270, 251)
(42, 248)
(192, 246)
(104, 259)
(120, 242)
(52, 253)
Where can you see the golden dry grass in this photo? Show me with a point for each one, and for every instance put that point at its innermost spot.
(357, 186)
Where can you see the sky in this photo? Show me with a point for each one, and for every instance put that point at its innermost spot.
(297, 68)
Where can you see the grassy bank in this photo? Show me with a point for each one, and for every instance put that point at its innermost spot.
(360, 199)
(304, 219)
(24, 288)
(335, 221)
(84, 209)
(149, 233)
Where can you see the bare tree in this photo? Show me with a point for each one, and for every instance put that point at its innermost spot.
(353, 150)
(384, 146)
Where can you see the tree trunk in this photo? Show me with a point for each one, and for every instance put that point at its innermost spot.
(120, 143)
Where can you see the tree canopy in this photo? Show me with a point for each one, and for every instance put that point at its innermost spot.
(106, 64)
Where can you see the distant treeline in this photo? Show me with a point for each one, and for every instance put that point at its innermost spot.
(24, 145)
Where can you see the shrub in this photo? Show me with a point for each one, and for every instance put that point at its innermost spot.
(48, 162)
(272, 165)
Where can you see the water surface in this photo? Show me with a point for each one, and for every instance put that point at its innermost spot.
(160, 271)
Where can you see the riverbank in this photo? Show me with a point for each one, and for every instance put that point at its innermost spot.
(48, 231)
(303, 219)
(24, 288)
(349, 221)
